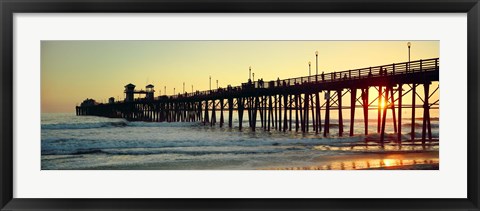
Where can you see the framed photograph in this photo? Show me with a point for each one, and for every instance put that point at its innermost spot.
(258, 105)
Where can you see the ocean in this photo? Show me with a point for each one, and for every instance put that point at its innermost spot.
(70, 142)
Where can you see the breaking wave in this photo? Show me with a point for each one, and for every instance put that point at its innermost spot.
(83, 125)
(62, 126)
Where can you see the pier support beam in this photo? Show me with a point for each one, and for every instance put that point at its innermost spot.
(221, 112)
(290, 99)
(285, 108)
(382, 134)
(240, 105)
(305, 113)
(213, 121)
(249, 111)
(426, 112)
(296, 112)
(327, 114)
(254, 116)
(318, 119)
(265, 113)
(275, 112)
(260, 109)
(340, 116)
(230, 112)
(270, 112)
(353, 103)
(399, 130)
(365, 103)
(414, 97)
(379, 117)
(312, 107)
(205, 118)
(392, 106)
(199, 104)
(280, 112)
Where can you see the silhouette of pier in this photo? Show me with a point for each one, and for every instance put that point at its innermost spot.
(292, 104)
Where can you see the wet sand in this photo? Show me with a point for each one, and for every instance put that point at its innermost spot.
(434, 166)
(428, 160)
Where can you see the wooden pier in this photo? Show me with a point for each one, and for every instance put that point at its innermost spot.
(292, 104)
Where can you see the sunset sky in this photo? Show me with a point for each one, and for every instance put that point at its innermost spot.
(72, 71)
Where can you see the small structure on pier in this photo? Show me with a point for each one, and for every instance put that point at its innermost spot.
(130, 92)
(88, 102)
(111, 100)
(149, 92)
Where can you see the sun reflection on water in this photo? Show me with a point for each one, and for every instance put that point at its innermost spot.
(387, 163)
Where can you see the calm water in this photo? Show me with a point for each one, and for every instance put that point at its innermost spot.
(85, 142)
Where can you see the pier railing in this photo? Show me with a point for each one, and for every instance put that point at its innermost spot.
(355, 74)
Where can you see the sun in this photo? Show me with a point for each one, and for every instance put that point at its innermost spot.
(389, 162)
(383, 104)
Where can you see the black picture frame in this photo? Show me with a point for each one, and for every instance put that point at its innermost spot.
(9, 7)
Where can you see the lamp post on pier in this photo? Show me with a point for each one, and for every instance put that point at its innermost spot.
(210, 83)
(414, 87)
(192, 88)
(217, 84)
(316, 64)
(409, 45)
(309, 70)
(253, 74)
(250, 73)
(183, 87)
(165, 90)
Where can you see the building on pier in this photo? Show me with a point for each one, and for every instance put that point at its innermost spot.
(149, 92)
(130, 92)
(88, 102)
